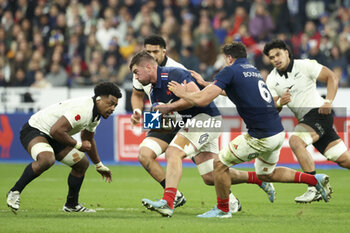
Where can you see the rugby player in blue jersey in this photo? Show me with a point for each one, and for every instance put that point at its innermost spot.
(245, 87)
(195, 140)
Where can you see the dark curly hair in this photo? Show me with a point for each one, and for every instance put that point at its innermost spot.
(106, 89)
(276, 44)
(155, 40)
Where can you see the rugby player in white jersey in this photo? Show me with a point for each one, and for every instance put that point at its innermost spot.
(293, 83)
(47, 137)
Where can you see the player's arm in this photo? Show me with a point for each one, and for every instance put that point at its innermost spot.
(180, 104)
(199, 79)
(200, 98)
(328, 76)
(59, 132)
(93, 155)
(137, 105)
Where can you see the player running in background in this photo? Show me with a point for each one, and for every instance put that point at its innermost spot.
(245, 87)
(47, 137)
(155, 142)
(201, 144)
(293, 83)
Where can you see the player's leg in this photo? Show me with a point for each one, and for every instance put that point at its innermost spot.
(43, 155)
(151, 147)
(79, 164)
(176, 151)
(266, 170)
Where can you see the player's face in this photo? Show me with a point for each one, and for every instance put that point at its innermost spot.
(156, 52)
(106, 105)
(279, 58)
(142, 74)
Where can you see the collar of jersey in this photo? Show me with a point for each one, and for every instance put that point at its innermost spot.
(289, 69)
(95, 115)
(240, 60)
(164, 61)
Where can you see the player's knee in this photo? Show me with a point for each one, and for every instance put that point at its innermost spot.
(81, 166)
(174, 153)
(295, 142)
(45, 160)
(145, 155)
(344, 160)
(208, 179)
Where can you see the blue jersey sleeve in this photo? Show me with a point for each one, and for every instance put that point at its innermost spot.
(223, 78)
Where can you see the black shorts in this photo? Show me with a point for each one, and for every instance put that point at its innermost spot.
(28, 133)
(166, 137)
(323, 126)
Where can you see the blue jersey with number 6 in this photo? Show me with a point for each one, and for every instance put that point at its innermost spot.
(245, 87)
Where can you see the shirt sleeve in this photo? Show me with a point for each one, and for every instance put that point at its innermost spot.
(223, 78)
(313, 68)
(136, 84)
(92, 127)
(75, 118)
(270, 83)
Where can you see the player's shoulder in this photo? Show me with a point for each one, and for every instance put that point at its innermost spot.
(172, 63)
(305, 63)
(84, 104)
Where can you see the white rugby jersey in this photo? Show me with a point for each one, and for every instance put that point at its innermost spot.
(147, 89)
(301, 83)
(79, 112)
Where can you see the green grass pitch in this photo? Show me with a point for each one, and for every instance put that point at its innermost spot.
(120, 210)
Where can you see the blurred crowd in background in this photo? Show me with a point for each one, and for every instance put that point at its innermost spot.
(45, 43)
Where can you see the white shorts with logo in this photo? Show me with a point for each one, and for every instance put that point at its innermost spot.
(245, 148)
(203, 138)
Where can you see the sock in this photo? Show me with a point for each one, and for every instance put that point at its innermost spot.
(27, 176)
(223, 204)
(74, 184)
(162, 183)
(311, 173)
(169, 196)
(301, 177)
(253, 179)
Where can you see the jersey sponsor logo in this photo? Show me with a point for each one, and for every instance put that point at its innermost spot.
(253, 155)
(77, 117)
(151, 120)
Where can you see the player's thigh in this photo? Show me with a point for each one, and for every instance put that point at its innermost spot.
(306, 133)
(152, 147)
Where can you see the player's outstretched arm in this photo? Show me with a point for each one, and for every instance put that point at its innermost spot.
(95, 158)
(200, 98)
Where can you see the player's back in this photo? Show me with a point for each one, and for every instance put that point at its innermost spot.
(247, 90)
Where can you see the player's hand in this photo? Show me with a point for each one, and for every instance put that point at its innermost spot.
(198, 77)
(326, 108)
(285, 98)
(178, 89)
(135, 118)
(85, 146)
(104, 171)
